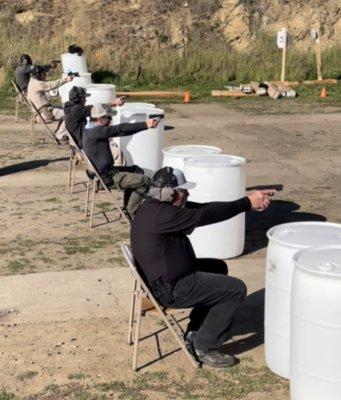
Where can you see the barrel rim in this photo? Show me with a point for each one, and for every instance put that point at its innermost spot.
(184, 155)
(101, 85)
(310, 270)
(205, 161)
(270, 232)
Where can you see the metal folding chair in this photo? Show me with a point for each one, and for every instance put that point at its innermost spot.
(20, 98)
(96, 182)
(37, 116)
(168, 315)
(76, 157)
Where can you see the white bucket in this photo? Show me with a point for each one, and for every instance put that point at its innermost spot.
(100, 93)
(174, 156)
(83, 80)
(144, 148)
(73, 63)
(218, 177)
(315, 365)
(129, 106)
(284, 241)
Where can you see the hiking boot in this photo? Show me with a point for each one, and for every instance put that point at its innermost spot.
(215, 358)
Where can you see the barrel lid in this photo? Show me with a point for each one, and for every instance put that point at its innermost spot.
(150, 111)
(215, 160)
(306, 234)
(188, 150)
(101, 86)
(323, 260)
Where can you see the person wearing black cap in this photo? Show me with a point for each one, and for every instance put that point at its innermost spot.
(96, 146)
(23, 72)
(177, 278)
(76, 112)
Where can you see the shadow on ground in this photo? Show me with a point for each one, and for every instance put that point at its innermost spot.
(27, 165)
(279, 212)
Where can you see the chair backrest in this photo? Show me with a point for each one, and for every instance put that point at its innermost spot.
(22, 95)
(128, 255)
(72, 142)
(93, 169)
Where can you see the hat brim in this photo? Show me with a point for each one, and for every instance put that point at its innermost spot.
(187, 186)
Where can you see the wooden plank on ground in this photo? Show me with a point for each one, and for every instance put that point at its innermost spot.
(231, 93)
(273, 90)
(258, 89)
(323, 82)
(151, 93)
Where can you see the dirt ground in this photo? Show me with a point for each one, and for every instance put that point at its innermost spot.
(64, 289)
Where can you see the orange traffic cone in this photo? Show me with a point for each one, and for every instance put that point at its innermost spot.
(187, 97)
(324, 93)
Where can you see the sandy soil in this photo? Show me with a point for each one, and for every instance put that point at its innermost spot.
(56, 342)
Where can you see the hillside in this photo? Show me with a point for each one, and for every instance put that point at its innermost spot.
(116, 31)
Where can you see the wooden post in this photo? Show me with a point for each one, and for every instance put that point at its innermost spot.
(284, 55)
(318, 59)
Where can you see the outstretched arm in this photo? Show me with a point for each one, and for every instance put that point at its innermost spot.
(214, 212)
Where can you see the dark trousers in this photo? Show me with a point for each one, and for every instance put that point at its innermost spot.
(215, 298)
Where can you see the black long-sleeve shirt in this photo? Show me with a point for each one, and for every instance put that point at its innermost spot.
(75, 120)
(159, 234)
(96, 142)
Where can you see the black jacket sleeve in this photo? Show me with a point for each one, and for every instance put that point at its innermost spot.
(214, 212)
(125, 129)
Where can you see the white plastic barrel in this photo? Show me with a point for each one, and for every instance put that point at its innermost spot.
(83, 80)
(100, 93)
(144, 148)
(218, 177)
(129, 106)
(315, 365)
(284, 241)
(174, 156)
(73, 63)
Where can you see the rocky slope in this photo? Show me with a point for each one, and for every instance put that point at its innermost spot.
(121, 26)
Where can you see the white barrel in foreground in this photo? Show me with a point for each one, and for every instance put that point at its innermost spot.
(174, 156)
(100, 93)
(73, 63)
(218, 177)
(144, 148)
(284, 241)
(83, 80)
(315, 366)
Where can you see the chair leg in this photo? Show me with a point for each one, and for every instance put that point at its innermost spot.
(87, 197)
(73, 176)
(70, 167)
(92, 209)
(137, 330)
(132, 314)
(16, 115)
(32, 128)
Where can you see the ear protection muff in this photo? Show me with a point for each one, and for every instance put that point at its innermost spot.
(167, 194)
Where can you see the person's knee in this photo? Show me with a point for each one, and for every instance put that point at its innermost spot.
(242, 290)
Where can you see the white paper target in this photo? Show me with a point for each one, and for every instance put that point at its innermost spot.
(282, 38)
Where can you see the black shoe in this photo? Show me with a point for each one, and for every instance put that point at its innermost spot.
(188, 339)
(216, 359)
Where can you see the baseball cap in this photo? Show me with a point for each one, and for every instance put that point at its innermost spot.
(98, 111)
(172, 177)
(77, 93)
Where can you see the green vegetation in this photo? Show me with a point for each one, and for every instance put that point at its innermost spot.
(206, 384)
(19, 265)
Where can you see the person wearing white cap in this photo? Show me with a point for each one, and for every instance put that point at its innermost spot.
(175, 276)
(96, 146)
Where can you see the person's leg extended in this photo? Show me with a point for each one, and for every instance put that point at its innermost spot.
(137, 183)
(220, 296)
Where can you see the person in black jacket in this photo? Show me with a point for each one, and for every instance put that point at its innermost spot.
(97, 148)
(177, 278)
(76, 112)
(23, 71)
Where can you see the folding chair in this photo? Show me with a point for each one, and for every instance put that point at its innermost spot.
(76, 157)
(20, 98)
(37, 116)
(98, 182)
(141, 292)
